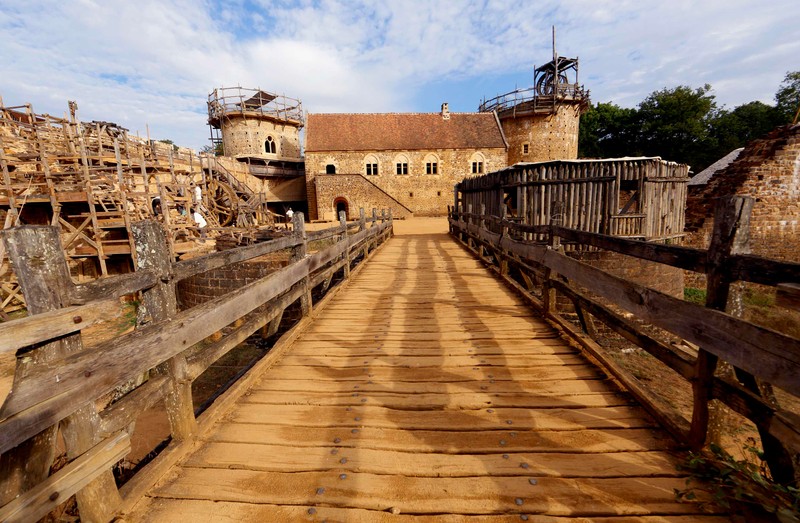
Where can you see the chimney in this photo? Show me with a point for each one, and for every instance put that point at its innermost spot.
(445, 111)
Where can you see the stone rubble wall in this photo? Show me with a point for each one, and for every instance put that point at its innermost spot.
(549, 137)
(423, 194)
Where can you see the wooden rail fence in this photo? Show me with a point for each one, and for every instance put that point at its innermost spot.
(761, 357)
(58, 383)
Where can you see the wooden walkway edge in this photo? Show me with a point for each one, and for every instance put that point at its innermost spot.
(426, 391)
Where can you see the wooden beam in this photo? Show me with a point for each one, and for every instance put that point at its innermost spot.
(54, 391)
(771, 355)
(52, 324)
(44, 497)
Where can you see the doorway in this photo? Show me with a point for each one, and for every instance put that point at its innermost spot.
(340, 204)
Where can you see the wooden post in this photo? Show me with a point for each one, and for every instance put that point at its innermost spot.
(470, 242)
(548, 291)
(160, 304)
(39, 263)
(731, 235)
(362, 221)
(374, 243)
(502, 253)
(343, 225)
(298, 253)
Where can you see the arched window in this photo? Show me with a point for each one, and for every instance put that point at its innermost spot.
(330, 169)
(477, 164)
(269, 145)
(371, 165)
(401, 164)
(431, 164)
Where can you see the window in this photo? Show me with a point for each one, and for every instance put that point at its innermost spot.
(525, 148)
(269, 145)
(330, 169)
(432, 168)
(402, 167)
(371, 165)
(477, 163)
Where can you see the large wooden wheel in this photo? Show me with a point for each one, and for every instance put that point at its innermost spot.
(546, 85)
(222, 201)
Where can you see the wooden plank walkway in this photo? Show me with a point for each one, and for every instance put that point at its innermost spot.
(426, 391)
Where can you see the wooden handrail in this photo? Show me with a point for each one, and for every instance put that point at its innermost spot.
(753, 350)
(68, 383)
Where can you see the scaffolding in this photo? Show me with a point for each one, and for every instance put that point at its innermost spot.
(93, 179)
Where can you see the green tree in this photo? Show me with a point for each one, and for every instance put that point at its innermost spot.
(787, 98)
(606, 132)
(733, 129)
(676, 123)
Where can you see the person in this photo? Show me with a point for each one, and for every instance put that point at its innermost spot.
(201, 224)
(156, 204)
(289, 215)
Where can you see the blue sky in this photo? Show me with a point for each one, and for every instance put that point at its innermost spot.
(153, 62)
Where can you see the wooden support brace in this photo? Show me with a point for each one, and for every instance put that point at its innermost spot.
(44, 277)
(159, 303)
(298, 253)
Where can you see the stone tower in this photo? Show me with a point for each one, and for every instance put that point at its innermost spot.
(251, 123)
(541, 122)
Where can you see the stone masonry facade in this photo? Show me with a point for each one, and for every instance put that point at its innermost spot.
(541, 138)
(208, 285)
(769, 171)
(251, 137)
(417, 192)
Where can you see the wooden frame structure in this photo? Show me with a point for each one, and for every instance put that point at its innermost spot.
(92, 180)
(760, 356)
(59, 382)
(640, 198)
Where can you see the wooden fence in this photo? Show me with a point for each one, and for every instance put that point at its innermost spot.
(59, 384)
(760, 356)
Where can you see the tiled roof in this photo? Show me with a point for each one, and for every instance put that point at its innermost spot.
(401, 131)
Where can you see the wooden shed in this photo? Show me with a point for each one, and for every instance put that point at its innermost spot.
(643, 198)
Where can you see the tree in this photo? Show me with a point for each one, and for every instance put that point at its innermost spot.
(733, 129)
(605, 132)
(787, 98)
(675, 124)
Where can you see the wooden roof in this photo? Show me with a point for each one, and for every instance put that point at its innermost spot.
(402, 131)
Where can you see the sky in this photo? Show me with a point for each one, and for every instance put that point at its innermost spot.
(152, 63)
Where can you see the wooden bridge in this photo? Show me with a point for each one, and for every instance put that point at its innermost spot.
(419, 386)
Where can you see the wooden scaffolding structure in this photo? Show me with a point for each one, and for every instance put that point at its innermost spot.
(93, 179)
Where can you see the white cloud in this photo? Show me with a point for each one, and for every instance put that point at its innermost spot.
(155, 61)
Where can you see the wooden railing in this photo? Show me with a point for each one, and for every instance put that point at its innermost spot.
(58, 383)
(759, 356)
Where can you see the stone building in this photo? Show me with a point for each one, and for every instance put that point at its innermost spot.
(769, 171)
(260, 132)
(408, 162)
(541, 122)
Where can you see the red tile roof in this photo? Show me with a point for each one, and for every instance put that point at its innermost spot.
(401, 131)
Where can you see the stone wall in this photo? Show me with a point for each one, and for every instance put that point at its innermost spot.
(356, 192)
(769, 171)
(211, 284)
(247, 136)
(548, 137)
(423, 194)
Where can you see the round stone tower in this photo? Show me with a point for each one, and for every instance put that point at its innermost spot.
(251, 123)
(541, 122)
